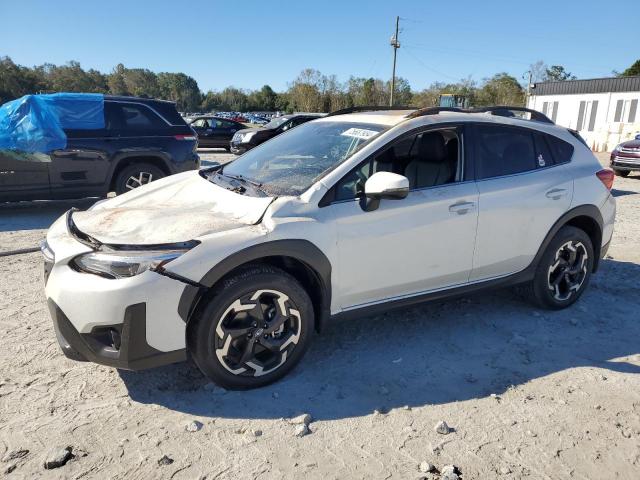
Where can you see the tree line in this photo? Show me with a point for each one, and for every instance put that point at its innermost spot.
(311, 91)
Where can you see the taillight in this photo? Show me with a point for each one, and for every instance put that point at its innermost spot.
(185, 137)
(606, 176)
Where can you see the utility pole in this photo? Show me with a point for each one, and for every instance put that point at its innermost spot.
(396, 45)
(528, 86)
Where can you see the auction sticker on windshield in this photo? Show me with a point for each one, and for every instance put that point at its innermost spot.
(362, 133)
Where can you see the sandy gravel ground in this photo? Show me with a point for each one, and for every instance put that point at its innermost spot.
(527, 393)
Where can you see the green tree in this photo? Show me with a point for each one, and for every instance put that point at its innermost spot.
(557, 73)
(141, 82)
(180, 88)
(304, 92)
(367, 91)
(263, 99)
(211, 101)
(402, 94)
(632, 70)
(72, 78)
(16, 81)
(117, 85)
(501, 89)
(234, 99)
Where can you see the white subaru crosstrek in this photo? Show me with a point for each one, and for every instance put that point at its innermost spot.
(235, 266)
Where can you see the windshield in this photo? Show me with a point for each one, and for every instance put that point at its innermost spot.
(290, 163)
(276, 122)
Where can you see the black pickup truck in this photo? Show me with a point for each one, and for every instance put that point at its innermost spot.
(142, 140)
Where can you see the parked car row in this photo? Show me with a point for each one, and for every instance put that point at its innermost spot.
(251, 137)
(142, 140)
(220, 132)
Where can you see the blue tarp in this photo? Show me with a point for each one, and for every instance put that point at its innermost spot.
(36, 123)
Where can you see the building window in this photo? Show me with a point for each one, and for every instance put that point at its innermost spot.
(626, 111)
(594, 111)
(550, 109)
(581, 115)
(633, 109)
(587, 110)
(617, 117)
(554, 112)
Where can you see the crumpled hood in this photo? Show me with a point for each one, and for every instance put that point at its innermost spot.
(175, 209)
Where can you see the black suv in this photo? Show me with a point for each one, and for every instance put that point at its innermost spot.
(252, 137)
(143, 140)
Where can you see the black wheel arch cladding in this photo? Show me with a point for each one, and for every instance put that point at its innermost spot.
(286, 254)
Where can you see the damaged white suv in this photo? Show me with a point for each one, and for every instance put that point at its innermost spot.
(236, 266)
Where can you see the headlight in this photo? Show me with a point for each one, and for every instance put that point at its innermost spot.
(123, 264)
(246, 137)
(47, 253)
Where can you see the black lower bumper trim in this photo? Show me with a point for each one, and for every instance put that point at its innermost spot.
(133, 352)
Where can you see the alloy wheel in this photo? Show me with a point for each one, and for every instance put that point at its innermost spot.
(135, 181)
(568, 271)
(257, 332)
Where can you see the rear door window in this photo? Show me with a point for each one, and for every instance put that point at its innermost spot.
(502, 150)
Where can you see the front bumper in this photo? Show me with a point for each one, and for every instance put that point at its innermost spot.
(627, 164)
(128, 323)
(121, 345)
(239, 148)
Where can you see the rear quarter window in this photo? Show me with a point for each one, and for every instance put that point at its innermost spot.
(169, 112)
(562, 151)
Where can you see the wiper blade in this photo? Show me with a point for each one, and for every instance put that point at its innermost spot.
(242, 179)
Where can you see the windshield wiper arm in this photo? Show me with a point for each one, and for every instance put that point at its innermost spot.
(242, 179)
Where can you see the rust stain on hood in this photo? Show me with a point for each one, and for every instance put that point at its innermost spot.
(175, 209)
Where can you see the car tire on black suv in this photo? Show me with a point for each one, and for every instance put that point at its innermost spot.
(136, 175)
(252, 329)
(564, 270)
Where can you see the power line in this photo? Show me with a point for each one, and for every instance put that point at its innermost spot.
(431, 69)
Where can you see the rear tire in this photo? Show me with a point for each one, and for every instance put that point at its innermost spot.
(621, 173)
(253, 329)
(564, 270)
(136, 175)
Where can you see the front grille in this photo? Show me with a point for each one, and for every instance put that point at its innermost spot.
(630, 150)
(628, 160)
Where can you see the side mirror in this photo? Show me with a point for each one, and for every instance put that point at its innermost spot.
(383, 185)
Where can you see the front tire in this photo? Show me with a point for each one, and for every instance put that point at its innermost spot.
(136, 175)
(253, 328)
(564, 271)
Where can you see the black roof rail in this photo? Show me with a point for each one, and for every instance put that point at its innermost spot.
(434, 111)
(372, 108)
(500, 110)
(503, 111)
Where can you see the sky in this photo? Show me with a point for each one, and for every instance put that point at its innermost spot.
(250, 43)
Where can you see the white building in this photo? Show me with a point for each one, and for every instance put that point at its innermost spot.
(604, 110)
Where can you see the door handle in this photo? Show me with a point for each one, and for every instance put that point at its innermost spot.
(462, 207)
(556, 193)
